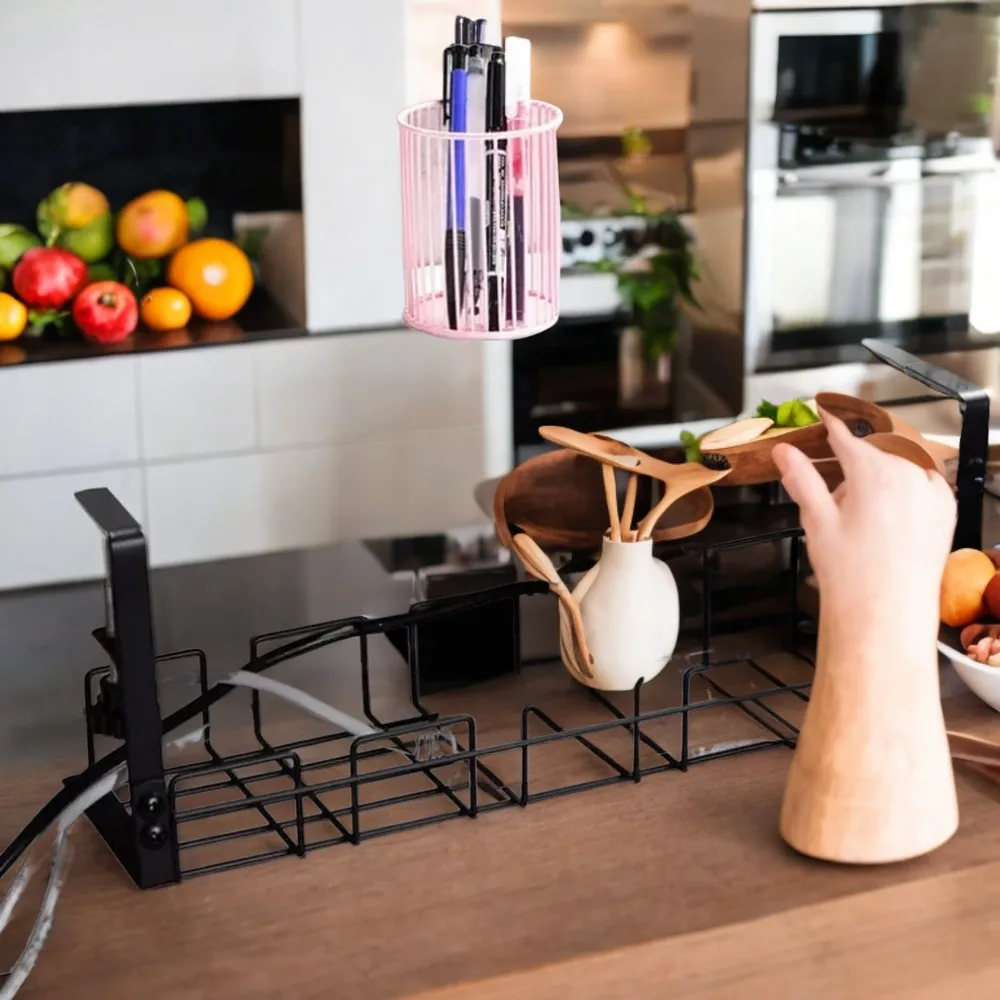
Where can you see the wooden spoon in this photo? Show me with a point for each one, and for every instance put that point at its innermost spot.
(678, 479)
(539, 565)
(557, 498)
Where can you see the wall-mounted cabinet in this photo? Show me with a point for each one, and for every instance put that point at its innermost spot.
(117, 52)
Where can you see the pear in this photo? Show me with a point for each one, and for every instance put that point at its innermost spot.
(92, 242)
(71, 206)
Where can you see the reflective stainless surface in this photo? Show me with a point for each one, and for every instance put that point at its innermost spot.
(843, 182)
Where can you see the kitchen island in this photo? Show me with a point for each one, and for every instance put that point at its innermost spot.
(676, 886)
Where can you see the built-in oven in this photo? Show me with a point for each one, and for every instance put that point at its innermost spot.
(873, 194)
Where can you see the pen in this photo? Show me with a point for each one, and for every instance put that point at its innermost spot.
(447, 67)
(480, 31)
(465, 31)
(518, 109)
(475, 178)
(455, 235)
(496, 186)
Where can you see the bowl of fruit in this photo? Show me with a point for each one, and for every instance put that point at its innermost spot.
(970, 616)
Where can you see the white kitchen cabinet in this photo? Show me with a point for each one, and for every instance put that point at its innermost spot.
(353, 87)
(45, 536)
(68, 415)
(90, 53)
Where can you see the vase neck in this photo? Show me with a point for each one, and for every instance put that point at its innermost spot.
(626, 554)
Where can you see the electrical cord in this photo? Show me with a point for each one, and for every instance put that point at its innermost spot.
(75, 787)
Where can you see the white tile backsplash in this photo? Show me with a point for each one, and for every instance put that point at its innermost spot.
(214, 508)
(199, 402)
(360, 387)
(46, 536)
(438, 473)
(68, 415)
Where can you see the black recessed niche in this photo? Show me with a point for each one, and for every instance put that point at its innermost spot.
(239, 156)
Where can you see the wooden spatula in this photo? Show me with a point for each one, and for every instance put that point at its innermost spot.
(740, 432)
(539, 565)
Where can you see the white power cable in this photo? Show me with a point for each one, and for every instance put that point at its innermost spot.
(14, 980)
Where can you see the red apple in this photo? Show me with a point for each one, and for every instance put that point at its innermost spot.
(106, 312)
(48, 277)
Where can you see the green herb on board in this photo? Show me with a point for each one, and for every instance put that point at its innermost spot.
(768, 410)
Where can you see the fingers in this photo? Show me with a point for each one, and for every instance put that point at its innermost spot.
(804, 484)
(853, 453)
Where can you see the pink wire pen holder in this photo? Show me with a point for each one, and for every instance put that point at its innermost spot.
(482, 243)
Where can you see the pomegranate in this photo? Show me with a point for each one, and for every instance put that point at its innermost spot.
(48, 277)
(106, 312)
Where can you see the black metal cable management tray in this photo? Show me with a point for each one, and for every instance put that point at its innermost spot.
(330, 786)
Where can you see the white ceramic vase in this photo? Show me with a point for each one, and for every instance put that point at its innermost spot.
(631, 615)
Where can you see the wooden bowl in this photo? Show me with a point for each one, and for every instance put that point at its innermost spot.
(558, 499)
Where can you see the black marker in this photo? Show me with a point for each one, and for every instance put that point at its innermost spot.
(496, 187)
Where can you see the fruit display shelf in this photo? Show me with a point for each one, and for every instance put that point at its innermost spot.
(261, 319)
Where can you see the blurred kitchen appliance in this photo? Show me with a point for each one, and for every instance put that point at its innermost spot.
(844, 184)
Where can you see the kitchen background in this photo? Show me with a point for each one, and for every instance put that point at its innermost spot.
(317, 417)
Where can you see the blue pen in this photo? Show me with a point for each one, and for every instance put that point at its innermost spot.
(455, 253)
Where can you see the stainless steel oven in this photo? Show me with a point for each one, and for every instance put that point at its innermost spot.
(870, 203)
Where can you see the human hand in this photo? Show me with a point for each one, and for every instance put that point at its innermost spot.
(878, 543)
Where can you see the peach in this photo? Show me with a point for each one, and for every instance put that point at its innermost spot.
(991, 596)
(967, 574)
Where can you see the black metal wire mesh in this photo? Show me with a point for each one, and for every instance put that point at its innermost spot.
(290, 797)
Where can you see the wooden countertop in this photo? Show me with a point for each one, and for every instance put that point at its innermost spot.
(676, 887)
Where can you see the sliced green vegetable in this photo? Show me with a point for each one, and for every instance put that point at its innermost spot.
(791, 413)
(692, 450)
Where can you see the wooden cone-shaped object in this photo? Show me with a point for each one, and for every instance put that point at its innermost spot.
(871, 780)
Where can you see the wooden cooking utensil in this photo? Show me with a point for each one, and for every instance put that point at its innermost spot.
(678, 479)
(750, 464)
(740, 432)
(973, 749)
(539, 565)
(860, 415)
(558, 499)
(611, 498)
(628, 511)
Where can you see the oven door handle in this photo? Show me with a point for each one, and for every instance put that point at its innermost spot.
(791, 182)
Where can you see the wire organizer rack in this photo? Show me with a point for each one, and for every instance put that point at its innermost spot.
(281, 798)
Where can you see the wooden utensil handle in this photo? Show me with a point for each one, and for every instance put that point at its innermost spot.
(629, 509)
(611, 495)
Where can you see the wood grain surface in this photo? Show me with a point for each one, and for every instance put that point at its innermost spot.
(678, 887)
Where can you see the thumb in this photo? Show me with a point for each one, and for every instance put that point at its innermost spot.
(803, 483)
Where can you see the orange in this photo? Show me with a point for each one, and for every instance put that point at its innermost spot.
(165, 309)
(13, 317)
(214, 274)
(152, 225)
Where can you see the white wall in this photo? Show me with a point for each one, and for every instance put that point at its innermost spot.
(84, 53)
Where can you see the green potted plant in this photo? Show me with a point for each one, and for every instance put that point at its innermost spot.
(656, 276)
